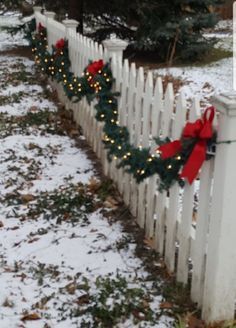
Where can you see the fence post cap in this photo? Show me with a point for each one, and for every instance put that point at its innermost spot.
(115, 44)
(37, 9)
(50, 14)
(70, 23)
(225, 103)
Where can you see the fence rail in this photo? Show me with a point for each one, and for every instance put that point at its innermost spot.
(198, 244)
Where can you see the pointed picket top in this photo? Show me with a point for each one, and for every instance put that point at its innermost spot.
(138, 105)
(131, 100)
(157, 107)
(149, 83)
(158, 91)
(105, 55)
(100, 51)
(114, 65)
(133, 69)
(147, 101)
(92, 50)
(118, 76)
(140, 79)
(126, 73)
(123, 98)
(180, 116)
(168, 109)
(96, 51)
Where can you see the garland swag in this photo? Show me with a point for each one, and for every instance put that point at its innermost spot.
(186, 154)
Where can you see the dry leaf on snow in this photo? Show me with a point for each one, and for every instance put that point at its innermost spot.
(31, 317)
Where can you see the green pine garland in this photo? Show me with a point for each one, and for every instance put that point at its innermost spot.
(137, 161)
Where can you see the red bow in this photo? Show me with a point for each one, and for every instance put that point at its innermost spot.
(40, 27)
(201, 130)
(60, 44)
(95, 67)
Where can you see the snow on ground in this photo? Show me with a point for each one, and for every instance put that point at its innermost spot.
(62, 262)
(204, 81)
(8, 41)
(207, 80)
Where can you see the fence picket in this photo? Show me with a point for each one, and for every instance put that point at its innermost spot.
(200, 244)
(160, 210)
(157, 107)
(144, 143)
(185, 225)
(174, 193)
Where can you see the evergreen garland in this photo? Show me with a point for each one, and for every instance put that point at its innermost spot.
(96, 82)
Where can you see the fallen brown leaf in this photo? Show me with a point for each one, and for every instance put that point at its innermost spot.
(84, 299)
(71, 288)
(139, 315)
(33, 109)
(32, 146)
(93, 185)
(73, 133)
(33, 240)
(27, 198)
(14, 228)
(149, 242)
(31, 317)
(166, 305)
(111, 202)
(194, 322)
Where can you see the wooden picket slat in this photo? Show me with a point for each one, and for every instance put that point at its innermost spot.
(161, 197)
(152, 186)
(202, 220)
(185, 225)
(145, 142)
(174, 193)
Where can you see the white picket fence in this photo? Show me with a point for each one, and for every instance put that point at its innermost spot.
(199, 247)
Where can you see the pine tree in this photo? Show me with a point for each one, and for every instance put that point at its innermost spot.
(174, 28)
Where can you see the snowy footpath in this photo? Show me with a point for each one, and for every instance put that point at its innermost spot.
(65, 259)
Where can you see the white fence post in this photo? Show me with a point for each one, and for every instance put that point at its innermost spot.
(115, 46)
(50, 14)
(37, 9)
(71, 26)
(220, 276)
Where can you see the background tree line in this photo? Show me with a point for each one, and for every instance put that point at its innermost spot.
(172, 29)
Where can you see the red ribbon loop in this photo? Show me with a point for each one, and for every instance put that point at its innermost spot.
(95, 67)
(60, 44)
(40, 27)
(201, 130)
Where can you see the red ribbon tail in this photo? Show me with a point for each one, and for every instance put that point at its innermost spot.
(195, 161)
(170, 149)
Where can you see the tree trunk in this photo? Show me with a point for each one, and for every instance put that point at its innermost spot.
(76, 12)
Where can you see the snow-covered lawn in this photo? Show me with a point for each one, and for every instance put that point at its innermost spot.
(7, 41)
(64, 260)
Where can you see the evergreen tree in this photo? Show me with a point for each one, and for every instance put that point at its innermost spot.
(174, 28)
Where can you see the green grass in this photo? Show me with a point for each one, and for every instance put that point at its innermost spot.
(212, 56)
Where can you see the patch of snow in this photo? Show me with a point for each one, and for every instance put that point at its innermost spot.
(204, 81)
